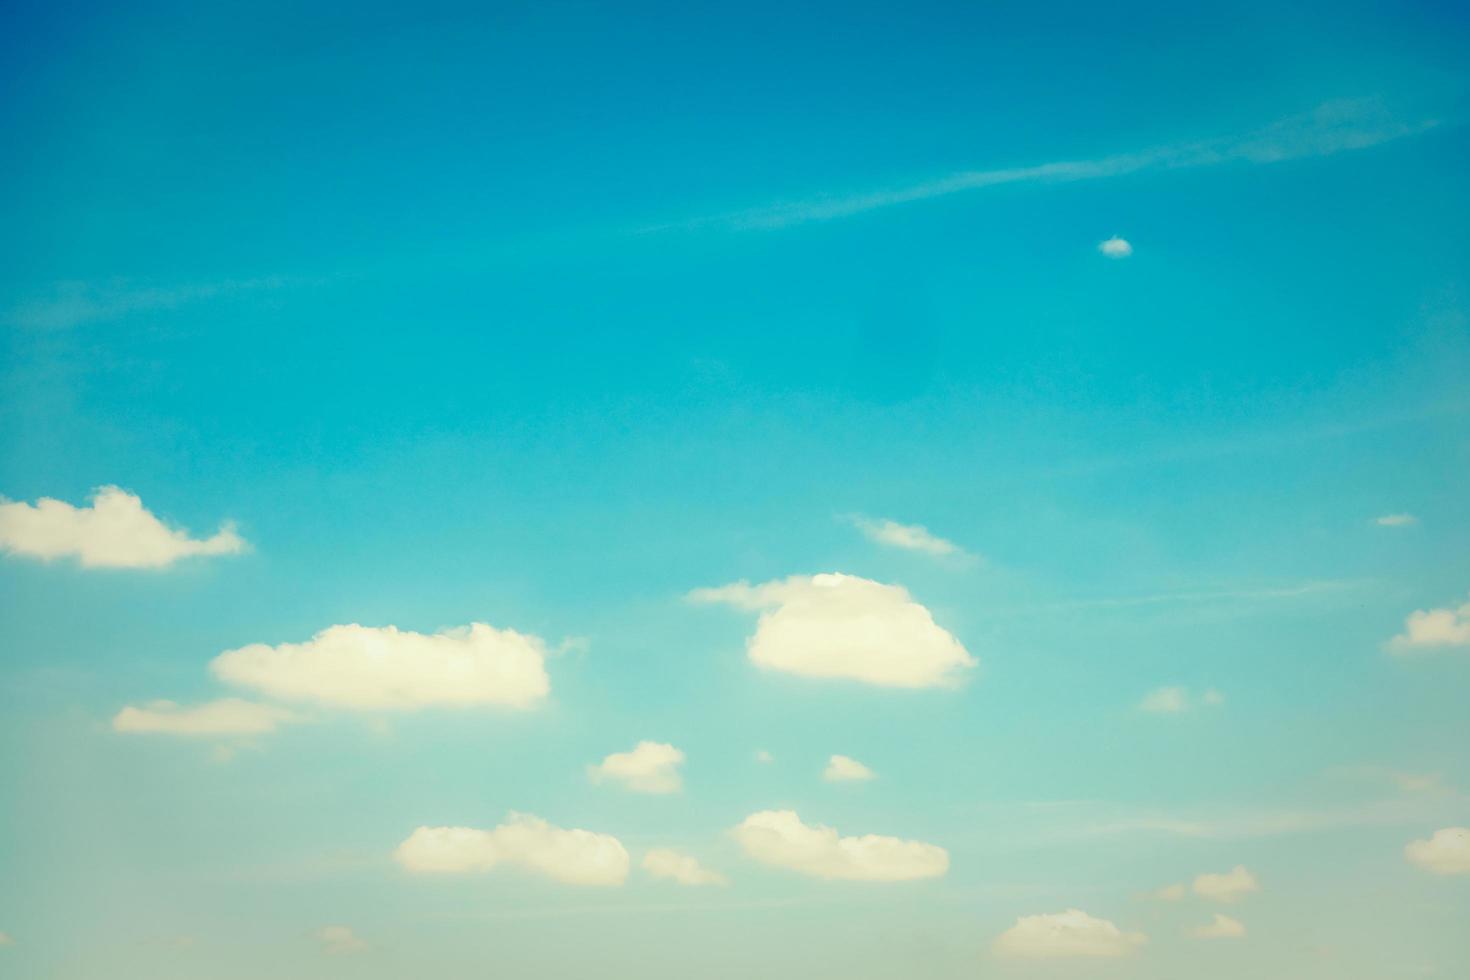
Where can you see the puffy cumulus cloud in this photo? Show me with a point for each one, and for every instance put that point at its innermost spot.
(1222, 927)
(384, 668)
(1068, 934)
(909, 537)
(339, 939)
(651, 767)
(576, 857)
(1446, 852)
(1115, 248)
(1229, 887)
(1427, 629)
(1176, 700)
(779, 838)
(114, 531)
(664, 863)
(1396, 520)
(225, 717)
(841, 769)
(1171, 893)
(843, 626)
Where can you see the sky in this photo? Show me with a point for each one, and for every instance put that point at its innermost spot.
(791, 490)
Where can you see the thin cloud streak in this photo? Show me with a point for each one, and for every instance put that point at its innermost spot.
(1334, 127)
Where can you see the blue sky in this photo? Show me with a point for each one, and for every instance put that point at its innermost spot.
(1116, 573)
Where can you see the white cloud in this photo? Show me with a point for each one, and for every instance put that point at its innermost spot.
(576, 857)
(1223, 927)
(1115, 248)
(779, 838)
(339, 939)
(1072, 933)
(114, 531)
(1176, 700)
(225, 717)
(1171, 893)
(1396, 520)
(909, 537)
(1447, 852)
(1229, 887)
(6, 940)
(762, 756)
(664, 863)
(1333, 127)
(1429, 628)
(837, 625)
(841, 769)
(651, 767)
(1165, 700)
(385, 668)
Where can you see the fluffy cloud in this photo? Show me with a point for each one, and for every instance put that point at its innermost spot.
(225, 717)
(841, 769)
(1447, 852)
(1115, 248)
(339, 939)
(844, 626)
(386, 668)
(1072, 933)
(1429, 628)
(779, 838)
(1229, 887)
(1171, 893)
(115, 531)
(1396, 520)
(909, 537)
(577, 857)
(1223, 927)
(652, 767)
(664, 863)
(1175, 700)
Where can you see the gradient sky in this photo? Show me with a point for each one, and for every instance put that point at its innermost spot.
(549, 316)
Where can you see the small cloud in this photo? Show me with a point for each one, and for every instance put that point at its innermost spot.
(1171, 893)
(764, 757)
(1066, 935)
(575, 857)
(6, 940)
(843, 626)
(1177, 700)
(841, 769)
(909, 537)
(1115, 248)
(1396, 520)
(114, 531)
(1223, 927)
(1165, 701)
(225, 717)
(664, 863)
(1447, 852)
(779, 838)
(388, 669)
(651, 767)
(1229, 887)
(1426, 629)
(339, 939)
(1412, 782)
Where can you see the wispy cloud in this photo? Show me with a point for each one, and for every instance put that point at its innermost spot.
(909, 537)
(1334, 127)
(71, 304)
